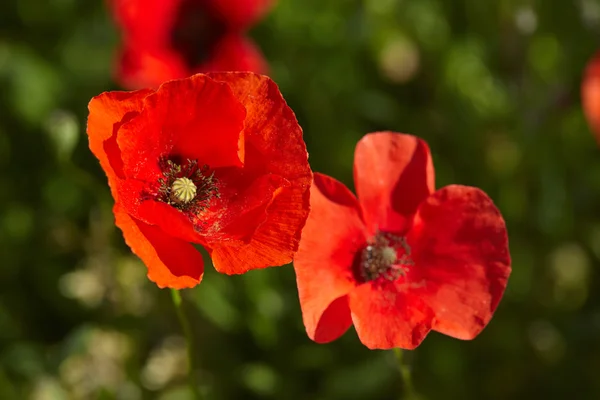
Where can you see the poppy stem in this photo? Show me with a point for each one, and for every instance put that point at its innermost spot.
(405, 373)
(187, 331)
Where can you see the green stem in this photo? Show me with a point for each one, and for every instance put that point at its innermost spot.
(409, 390)
(187, 331)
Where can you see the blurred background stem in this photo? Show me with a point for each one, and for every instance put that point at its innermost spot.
(408, 392)
(187, 331)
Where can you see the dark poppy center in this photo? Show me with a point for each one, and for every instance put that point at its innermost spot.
(196, 31)
(186, 185)
(387, 256)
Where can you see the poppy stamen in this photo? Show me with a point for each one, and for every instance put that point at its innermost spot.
(187, 186)
(385, 256)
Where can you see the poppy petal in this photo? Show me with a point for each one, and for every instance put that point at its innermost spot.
(240, 14)
(460, 249)
(172, 221)
(333, 235)
(590, 95)
(386, 318)
(146, 22)
(273, 243)
(171, 262)
(139, 67)
(240, 211)
(133, 198)
(234, 52)
(107, 112)
(393, 173)
(196, 118)
(273, 145)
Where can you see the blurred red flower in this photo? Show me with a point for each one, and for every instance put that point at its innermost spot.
(170, 39)
(216, 160)
(402, 259)
(590, 94)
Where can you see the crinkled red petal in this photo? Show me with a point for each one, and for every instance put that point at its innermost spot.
(462, 263)
(273, 146)
(333, 236)
(393, 173)
(242, 206)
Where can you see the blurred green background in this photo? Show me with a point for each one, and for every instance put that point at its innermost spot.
(492, 86)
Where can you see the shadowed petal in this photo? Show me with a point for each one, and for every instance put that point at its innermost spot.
(108, 112)
(240, 14)
(171, 262)
(393, 173)
(333, 236)
(460, 249)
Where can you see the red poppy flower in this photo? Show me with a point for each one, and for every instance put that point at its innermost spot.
(590, 94)
(402, 259)
(170, 39)
(216, 160)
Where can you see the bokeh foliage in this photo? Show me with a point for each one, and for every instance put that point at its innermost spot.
(492, 86)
